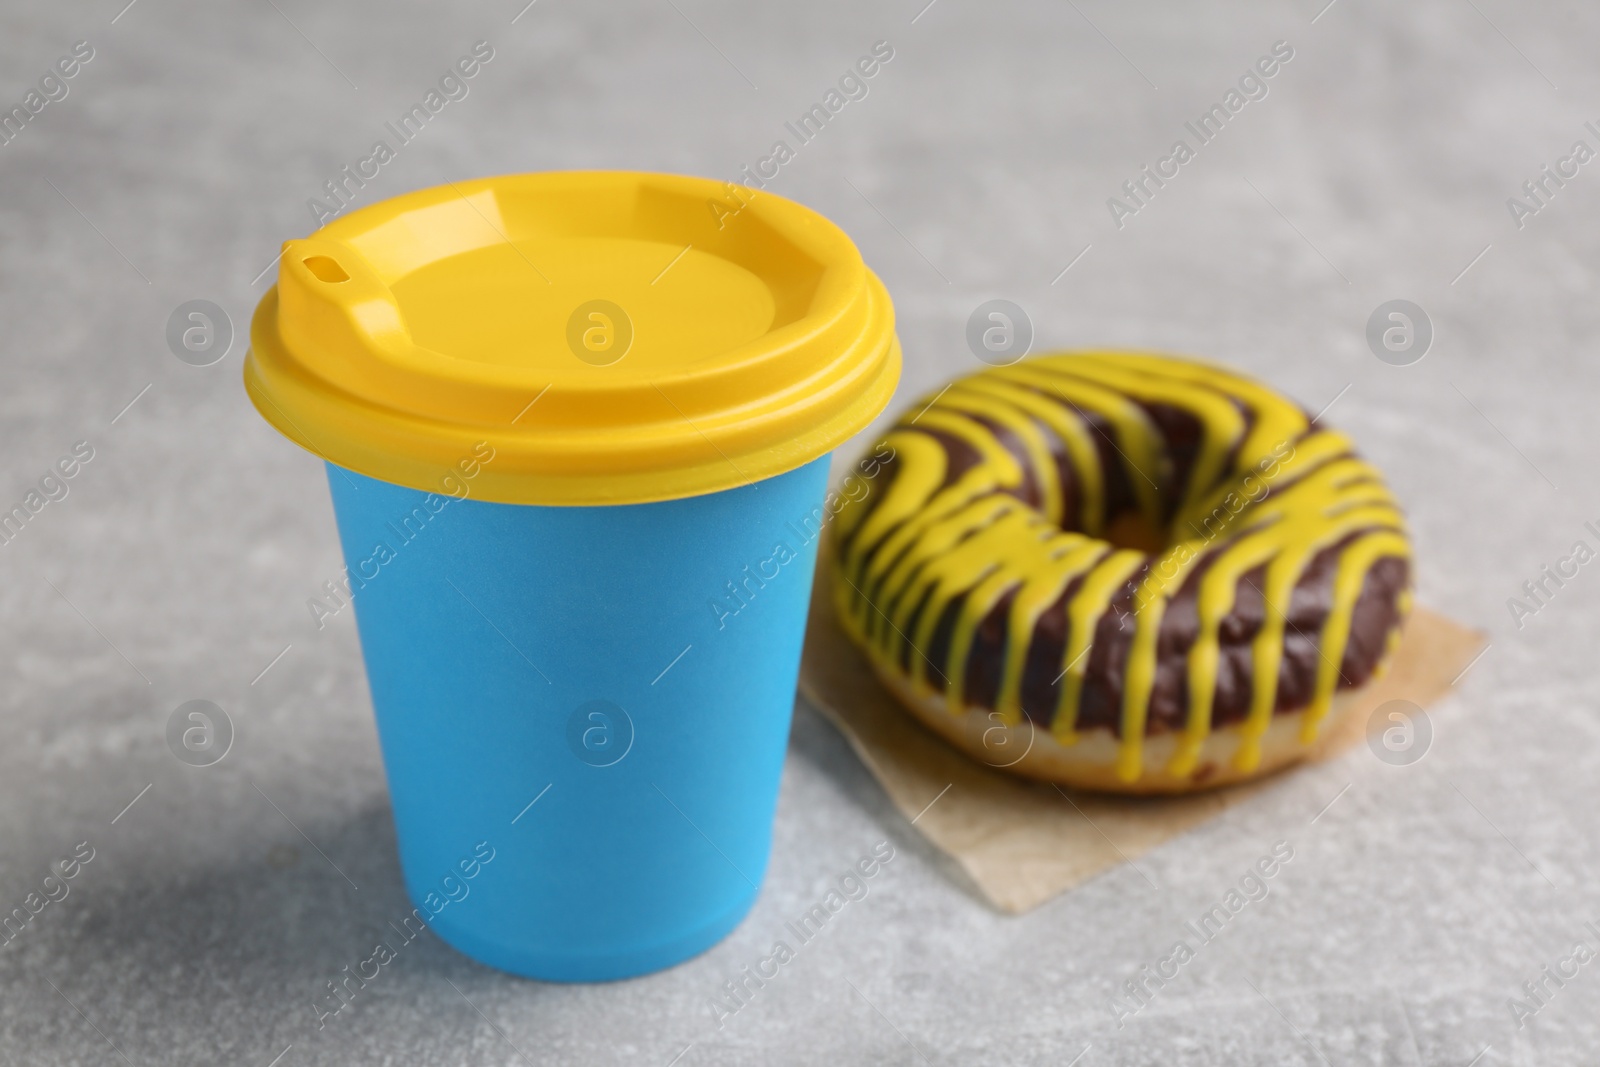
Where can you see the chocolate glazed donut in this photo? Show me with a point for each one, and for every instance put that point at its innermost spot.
(1142, 573)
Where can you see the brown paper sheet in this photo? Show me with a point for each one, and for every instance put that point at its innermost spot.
(1023, 842)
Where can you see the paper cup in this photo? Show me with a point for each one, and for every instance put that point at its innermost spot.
(580, 578)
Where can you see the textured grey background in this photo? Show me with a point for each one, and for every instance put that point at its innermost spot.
(1377, 168)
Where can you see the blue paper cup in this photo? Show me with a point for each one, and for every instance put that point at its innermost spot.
(583, 710)
(577, 428)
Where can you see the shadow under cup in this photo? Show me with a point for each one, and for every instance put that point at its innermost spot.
(583, 711)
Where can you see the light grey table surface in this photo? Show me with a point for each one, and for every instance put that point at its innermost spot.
(979, 165)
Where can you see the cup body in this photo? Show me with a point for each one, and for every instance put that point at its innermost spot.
(583, 711)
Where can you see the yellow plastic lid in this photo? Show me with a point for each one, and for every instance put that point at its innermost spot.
(615, 337)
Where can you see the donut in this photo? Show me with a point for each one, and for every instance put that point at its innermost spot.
(1123, 571)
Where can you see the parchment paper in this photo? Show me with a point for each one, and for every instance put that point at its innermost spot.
(1023, 841)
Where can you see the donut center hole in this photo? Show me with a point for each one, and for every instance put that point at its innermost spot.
(1135, 531)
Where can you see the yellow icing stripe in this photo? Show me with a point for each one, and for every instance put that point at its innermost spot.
(980, 600)
(1336, 634)
(920, 475)
(1133, 436)
(1213, 603)
(1083, 616)
(959, 570)
(1074, 435)
(1040, 589)
(1267, 649)
(996, 469)
(896, 597)
(1285, 470)
(1224, 424)
(1043, 468)
(1277, 418)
